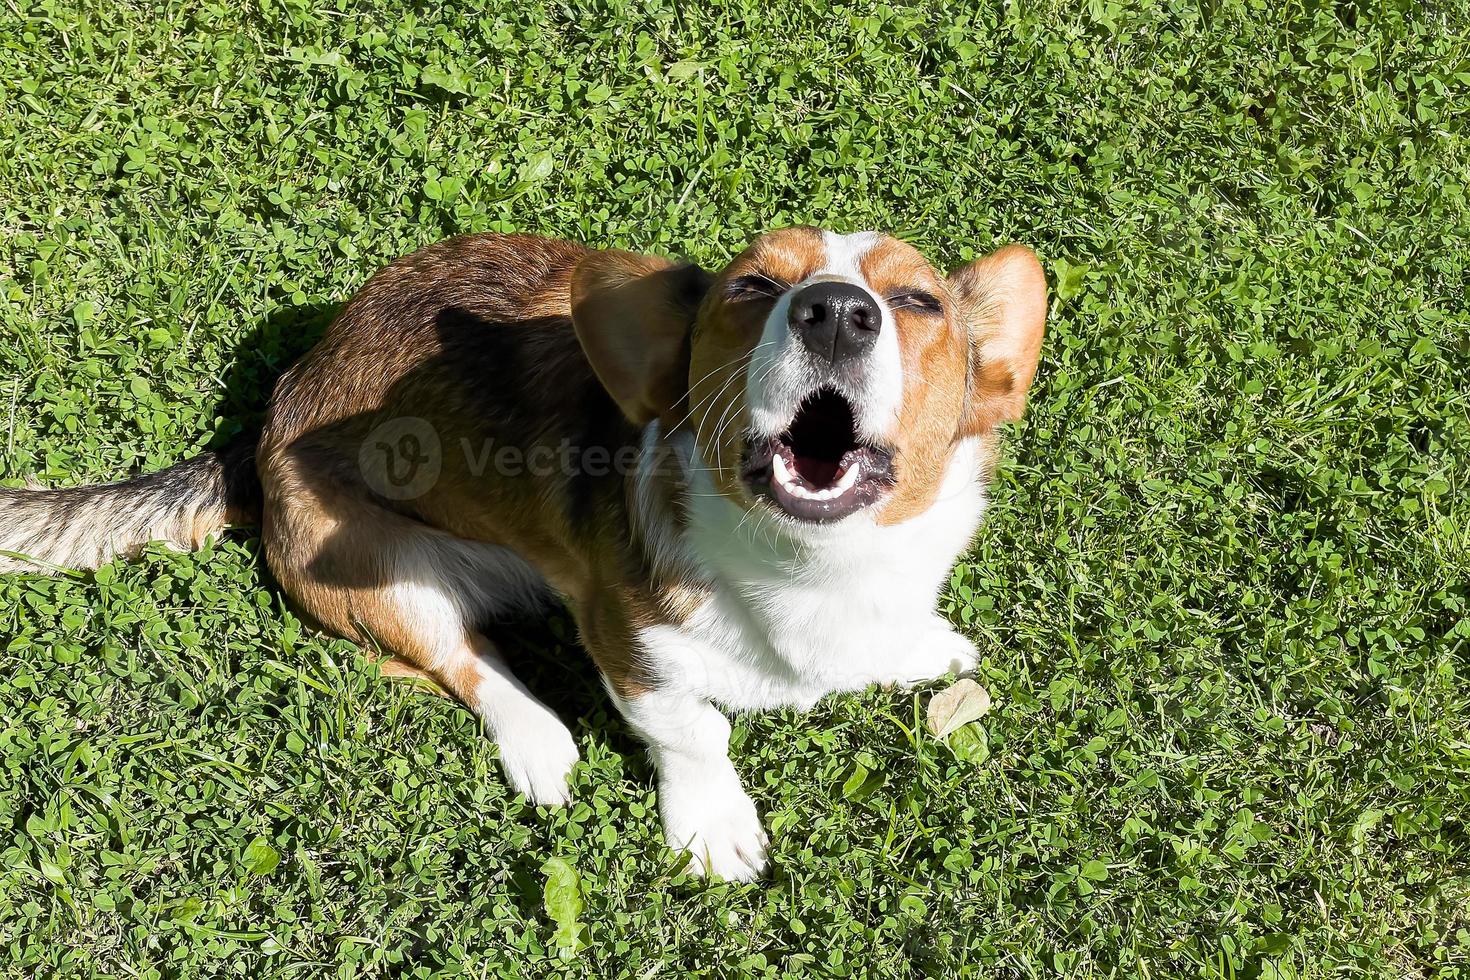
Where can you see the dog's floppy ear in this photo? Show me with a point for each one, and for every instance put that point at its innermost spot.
(633, 315)
(1002, 299)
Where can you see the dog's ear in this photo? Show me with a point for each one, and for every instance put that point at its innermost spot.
(633, 315)
(1002, 299)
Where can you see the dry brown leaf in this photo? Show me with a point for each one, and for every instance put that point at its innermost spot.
(956, 706)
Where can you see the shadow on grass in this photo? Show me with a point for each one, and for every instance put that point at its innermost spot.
(265, 353)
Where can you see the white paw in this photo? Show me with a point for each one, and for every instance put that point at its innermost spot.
(537, 753)
(955, 653)
(710, 817)
(935, 652)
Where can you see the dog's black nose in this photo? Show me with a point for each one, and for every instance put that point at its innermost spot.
(835, 320)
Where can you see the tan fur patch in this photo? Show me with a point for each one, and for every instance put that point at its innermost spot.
(932, 349)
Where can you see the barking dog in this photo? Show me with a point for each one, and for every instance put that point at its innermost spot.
(747, 486)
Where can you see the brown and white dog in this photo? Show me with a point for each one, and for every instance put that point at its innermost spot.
(748, 487)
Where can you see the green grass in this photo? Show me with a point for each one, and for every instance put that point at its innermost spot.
(1221, 597)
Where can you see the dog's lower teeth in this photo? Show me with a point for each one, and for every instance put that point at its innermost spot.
(783, 474)
(792, 482)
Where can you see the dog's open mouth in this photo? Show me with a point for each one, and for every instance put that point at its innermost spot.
(818, 470)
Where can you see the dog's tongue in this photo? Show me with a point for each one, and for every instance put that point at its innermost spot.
(818, 473)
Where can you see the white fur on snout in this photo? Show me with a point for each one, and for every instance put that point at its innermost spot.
(782, 372)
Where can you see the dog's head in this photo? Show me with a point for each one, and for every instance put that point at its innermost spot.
(821, 375)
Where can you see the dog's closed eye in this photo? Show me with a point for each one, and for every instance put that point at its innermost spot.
(917, 300)
(755, 286)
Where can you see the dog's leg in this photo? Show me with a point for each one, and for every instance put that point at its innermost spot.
(704, 808)
(377, 578)
(536, 749)
(656, 676)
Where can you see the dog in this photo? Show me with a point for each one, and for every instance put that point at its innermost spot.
(747, 486)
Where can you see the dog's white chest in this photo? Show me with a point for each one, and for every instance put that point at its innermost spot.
(788, 622)
(793, 644)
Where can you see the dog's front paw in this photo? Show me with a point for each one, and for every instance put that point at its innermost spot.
(954, 653)
(935, 652)
(709, 816)
(537, 753)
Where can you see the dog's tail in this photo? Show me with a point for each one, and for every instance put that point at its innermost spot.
(84, 527)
